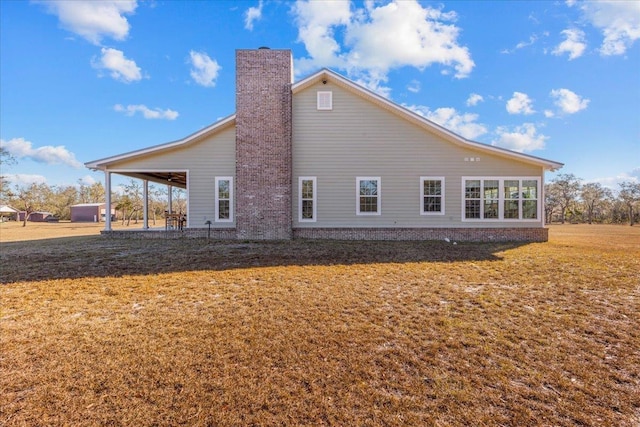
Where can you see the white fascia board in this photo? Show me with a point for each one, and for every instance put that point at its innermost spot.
(101, 164)
(418, 119)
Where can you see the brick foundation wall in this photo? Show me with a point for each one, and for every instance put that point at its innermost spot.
(189, 233)
(263, 144)
(454, 234)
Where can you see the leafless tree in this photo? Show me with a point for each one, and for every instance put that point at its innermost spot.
(6, 161)
(593, 194)
(568, 187)
(31, 199)
(630, 196)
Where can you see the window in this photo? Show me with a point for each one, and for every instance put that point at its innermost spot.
(529, 199)
(307, 198)
(368, 196)
(491, 198)
(431, 195)
(511, 193)
(501, 199)
(224, 199)
(325, 100)
(472, 199)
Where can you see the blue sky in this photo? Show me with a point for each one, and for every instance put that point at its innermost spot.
(83, 80)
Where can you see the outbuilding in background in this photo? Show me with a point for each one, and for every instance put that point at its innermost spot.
(38, 216)
(7, 213)
(90, 212)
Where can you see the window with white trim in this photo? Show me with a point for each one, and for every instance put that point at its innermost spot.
(530, 198)
(511, 198)
(307, 199)
(431, 195)
(325, 100)
(368, 196)
(224, 199)
(472, 198)
(491, 199)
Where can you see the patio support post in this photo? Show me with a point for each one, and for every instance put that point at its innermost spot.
(145, 204)
(107, 192)
(170, 198)
(541, 196)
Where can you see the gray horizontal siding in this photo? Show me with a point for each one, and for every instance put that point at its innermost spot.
(204, 160)
(358, 138)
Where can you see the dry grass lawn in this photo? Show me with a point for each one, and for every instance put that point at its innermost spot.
(190, 332)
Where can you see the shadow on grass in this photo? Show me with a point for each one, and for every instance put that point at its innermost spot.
(94, 256)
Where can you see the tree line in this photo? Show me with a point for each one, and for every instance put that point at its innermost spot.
(57, 200)
(569, 199)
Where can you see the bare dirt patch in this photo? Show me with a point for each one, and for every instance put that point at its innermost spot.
(190, 332)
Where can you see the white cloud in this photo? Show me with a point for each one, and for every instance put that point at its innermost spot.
(119, 67)
(613, 182)
(548, 114)
(378, 38)
(619, 22)
(25, 180)
(568, 102)
(48, 154)
(93, 20)
(532, 40)
(414, 86)
(573, 44)
(147, 113)
(464, 124)
(317, 22)
(520, 103)
(87, 180)
(204, 70)
(474, 99)
(252, 14)
(521, 138)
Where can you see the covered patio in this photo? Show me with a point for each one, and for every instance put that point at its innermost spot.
(169, 178)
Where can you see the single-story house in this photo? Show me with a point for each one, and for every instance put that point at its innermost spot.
(326, 158)
(7, 213)
(90, 212)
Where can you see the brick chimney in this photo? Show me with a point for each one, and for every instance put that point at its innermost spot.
(263, 144)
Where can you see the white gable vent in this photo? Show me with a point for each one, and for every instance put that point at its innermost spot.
(325, 100)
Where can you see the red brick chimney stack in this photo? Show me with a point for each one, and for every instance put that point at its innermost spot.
(263, 144)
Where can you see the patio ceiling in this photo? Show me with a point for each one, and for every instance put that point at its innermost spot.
(175, 179)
